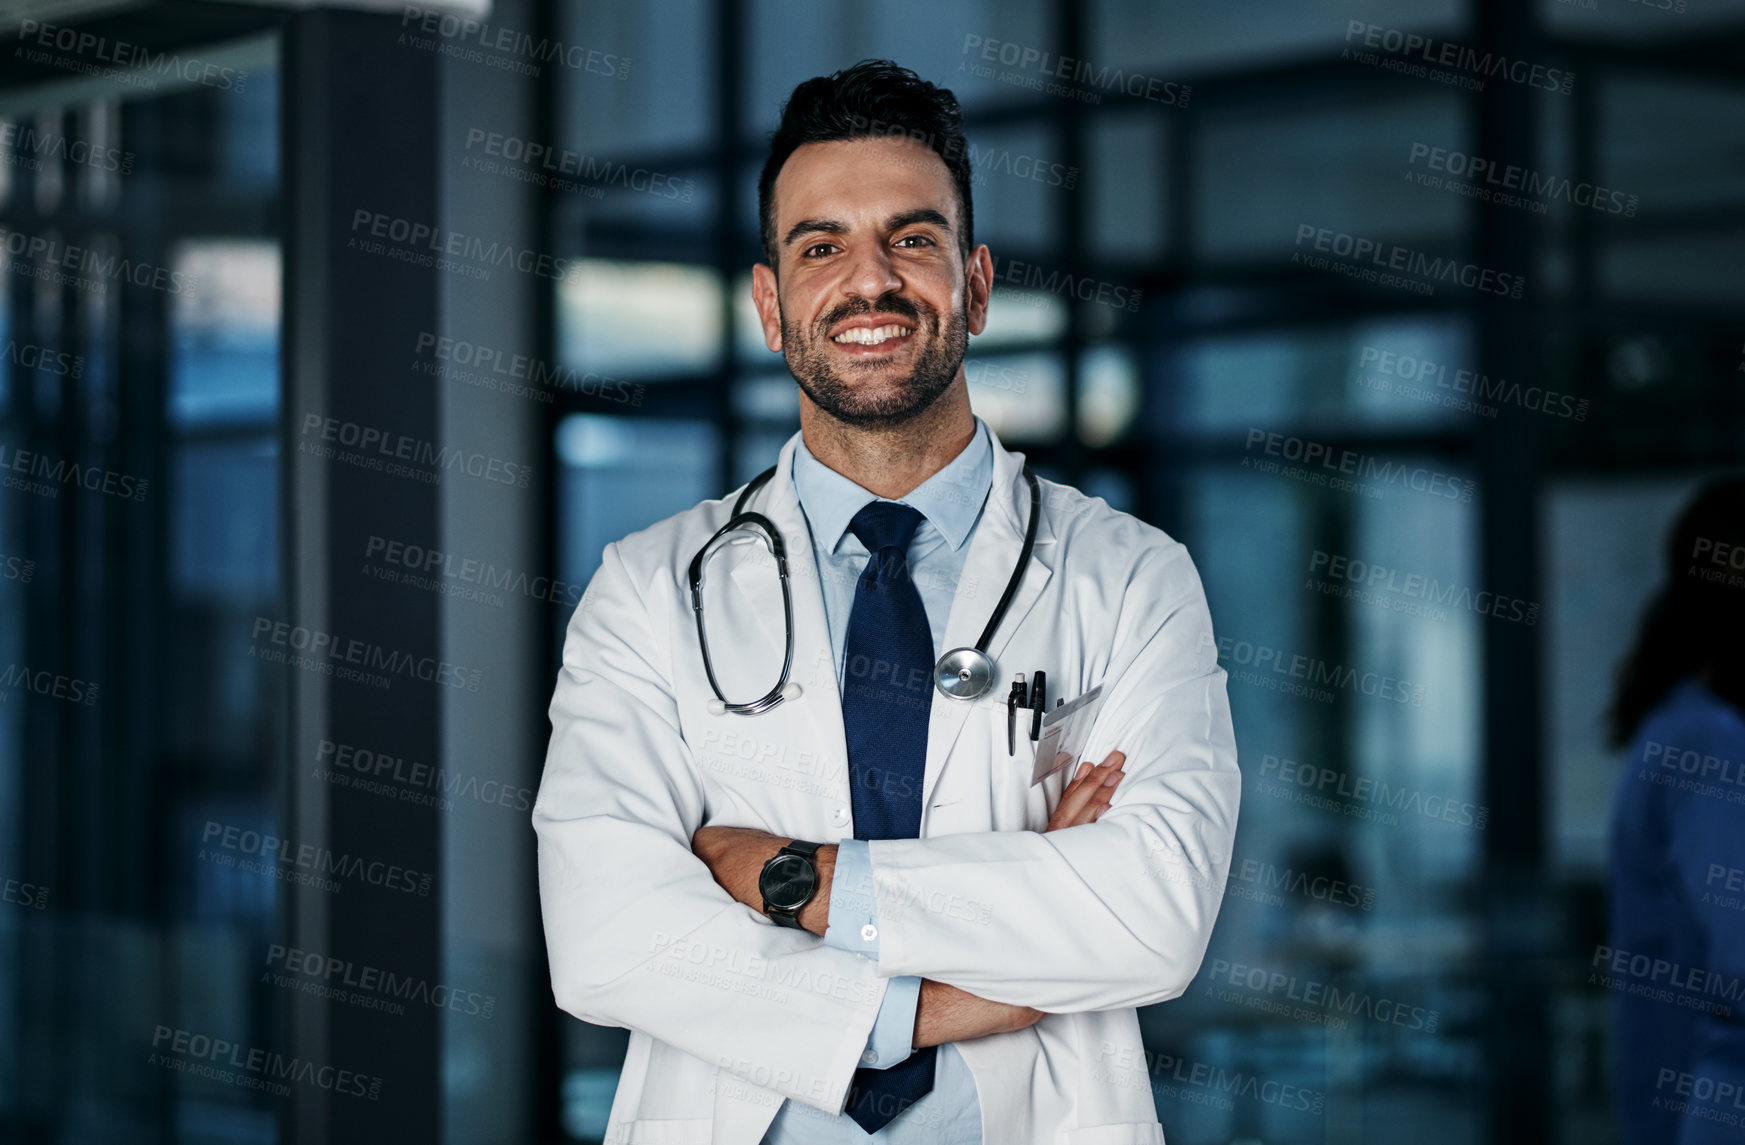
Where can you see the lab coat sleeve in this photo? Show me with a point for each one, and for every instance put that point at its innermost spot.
(638, 932)
(1109, 914)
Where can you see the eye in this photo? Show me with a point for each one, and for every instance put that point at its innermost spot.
(922, 238)
(807, 253)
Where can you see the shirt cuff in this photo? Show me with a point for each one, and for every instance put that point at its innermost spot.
(853, 922)
(893, 1033)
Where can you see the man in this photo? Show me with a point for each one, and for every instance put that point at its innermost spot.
(852, 916)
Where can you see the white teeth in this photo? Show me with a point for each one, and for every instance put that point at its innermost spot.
(872, 335)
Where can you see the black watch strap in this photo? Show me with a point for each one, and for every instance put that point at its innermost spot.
(806, 851)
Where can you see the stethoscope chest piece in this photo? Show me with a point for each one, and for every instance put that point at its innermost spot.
(964, 674)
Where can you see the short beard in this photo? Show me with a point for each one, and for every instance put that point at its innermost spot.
(934, 371)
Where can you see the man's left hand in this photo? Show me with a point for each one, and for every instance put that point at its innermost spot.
(736, 855)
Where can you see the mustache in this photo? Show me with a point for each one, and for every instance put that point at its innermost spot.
(890, 304)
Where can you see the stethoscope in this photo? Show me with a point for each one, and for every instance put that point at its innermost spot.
(960, 674)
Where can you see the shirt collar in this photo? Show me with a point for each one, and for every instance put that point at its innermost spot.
(951, 499)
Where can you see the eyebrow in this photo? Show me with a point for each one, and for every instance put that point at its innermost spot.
(896, 222)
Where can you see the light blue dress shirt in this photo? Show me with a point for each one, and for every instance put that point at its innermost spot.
(951, 503)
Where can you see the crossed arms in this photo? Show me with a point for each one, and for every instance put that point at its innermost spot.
(641, 933)
(736, 855)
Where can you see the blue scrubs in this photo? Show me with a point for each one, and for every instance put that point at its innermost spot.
(1678, 912)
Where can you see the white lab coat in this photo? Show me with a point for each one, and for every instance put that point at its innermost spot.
(729, 1013)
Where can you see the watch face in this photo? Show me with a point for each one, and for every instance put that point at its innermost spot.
(788, 883)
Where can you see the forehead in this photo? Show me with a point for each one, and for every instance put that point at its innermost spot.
(862, 180)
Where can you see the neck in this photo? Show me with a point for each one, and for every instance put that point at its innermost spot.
(891, 462)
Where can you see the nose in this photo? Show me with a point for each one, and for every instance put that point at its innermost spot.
(870, 273)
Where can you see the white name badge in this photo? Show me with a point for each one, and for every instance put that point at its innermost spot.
(1065, 731)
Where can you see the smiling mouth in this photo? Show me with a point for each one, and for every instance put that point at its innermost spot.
(871, 335)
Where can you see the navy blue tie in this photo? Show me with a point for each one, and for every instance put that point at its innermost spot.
(887, 669)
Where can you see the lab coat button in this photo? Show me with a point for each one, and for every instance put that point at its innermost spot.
(840, 815)
(869, 933)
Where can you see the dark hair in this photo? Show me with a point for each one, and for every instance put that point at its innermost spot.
(1697, 620)
(871, 100)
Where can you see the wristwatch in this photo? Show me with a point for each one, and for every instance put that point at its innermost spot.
(788, 882)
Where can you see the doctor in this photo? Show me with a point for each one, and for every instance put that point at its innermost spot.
(851, 913)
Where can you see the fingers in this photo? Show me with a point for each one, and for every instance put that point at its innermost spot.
(1115, 763)
(1089, 793)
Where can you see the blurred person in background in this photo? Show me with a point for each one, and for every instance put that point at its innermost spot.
(1678, 839)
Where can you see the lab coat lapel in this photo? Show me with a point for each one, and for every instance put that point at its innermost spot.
(993, 554)
(814, 667)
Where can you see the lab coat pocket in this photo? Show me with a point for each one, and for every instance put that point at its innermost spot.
(667, 1131)
(1017, 806)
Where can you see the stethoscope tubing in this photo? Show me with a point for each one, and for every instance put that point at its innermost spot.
(740, 519)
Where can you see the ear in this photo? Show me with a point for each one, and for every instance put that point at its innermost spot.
(979, 282)
(769, 312)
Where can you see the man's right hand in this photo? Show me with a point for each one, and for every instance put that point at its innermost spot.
(946, 1014)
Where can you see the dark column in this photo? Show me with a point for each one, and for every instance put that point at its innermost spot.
(361, 135)
(1517, 908)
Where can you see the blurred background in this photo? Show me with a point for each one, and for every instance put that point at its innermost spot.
(338, 340)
